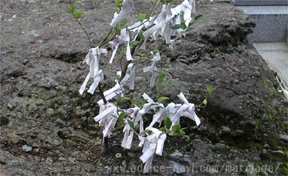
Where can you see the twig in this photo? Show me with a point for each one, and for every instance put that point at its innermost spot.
(85, 32)
(152, 11)
(105, 40)
(134, 131)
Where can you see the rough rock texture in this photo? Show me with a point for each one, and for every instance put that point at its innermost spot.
(47, 127)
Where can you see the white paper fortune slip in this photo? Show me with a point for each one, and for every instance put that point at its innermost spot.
(127, 8)
(112, 93)
(107, 117)
(128, 133)
(130, 74)
(170, 17)
(123, 38)
(186, 110)
(153, 143)
(92, 59)
(153, 68)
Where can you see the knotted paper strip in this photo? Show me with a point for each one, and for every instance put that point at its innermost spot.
(130, 73)
(186, 110)
(128, 133)
(170, 17)
(106, 118)
(127, 8)
(153, 68)
(118, 88)
(123, 38)
(153, 143)
(128, 137)
(92, 59)
(112, 93)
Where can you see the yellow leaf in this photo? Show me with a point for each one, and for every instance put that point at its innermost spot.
(205, 102)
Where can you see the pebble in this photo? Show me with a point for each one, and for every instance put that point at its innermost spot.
(59, 122)
(57, 142)
(80, 112)
(239, 131)
(13, 138)
(202, 129)
(265, 117)
(26, 148)
(226, 129)
(283, 137)
(131, 155)
(177, 153)
(25, 61)
(71, 159)
(279, 153)
(220, 146)
(265, 152)
(41, 136)
(49, 112)
(177, 167)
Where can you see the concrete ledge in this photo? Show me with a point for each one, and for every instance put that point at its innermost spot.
(256, 10)
(261, 2)
(271, 23)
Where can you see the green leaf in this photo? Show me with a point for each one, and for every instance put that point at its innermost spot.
(175, 134)
(168, 123)
(141, 34)
(182, 132)
(126, 98)
(152, 2)
(167, 131)
(123, 23)
(184, 25)
(161, 78)
(176, 128)
(168, 1)
(133, 43)
(115, 105)
(114, 116)
(119, 3)
(162, 98)
(210, 89)
(265, 83)
(74, 8)
(147, 15)
(167, 71)
(75, 12)
(195, 19)
(177, 26)
(137, 127)
(77, 2)
(189, 29)
(216, 87)
(121, 117)
(170, 82)
(186, 136)
(155, 52)
(162, 1)
(149, 132)
(78, 14)
(162, 129)
(141, 16)
(130, 123)
(198, 17)
(153, 104)
(70, 10)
